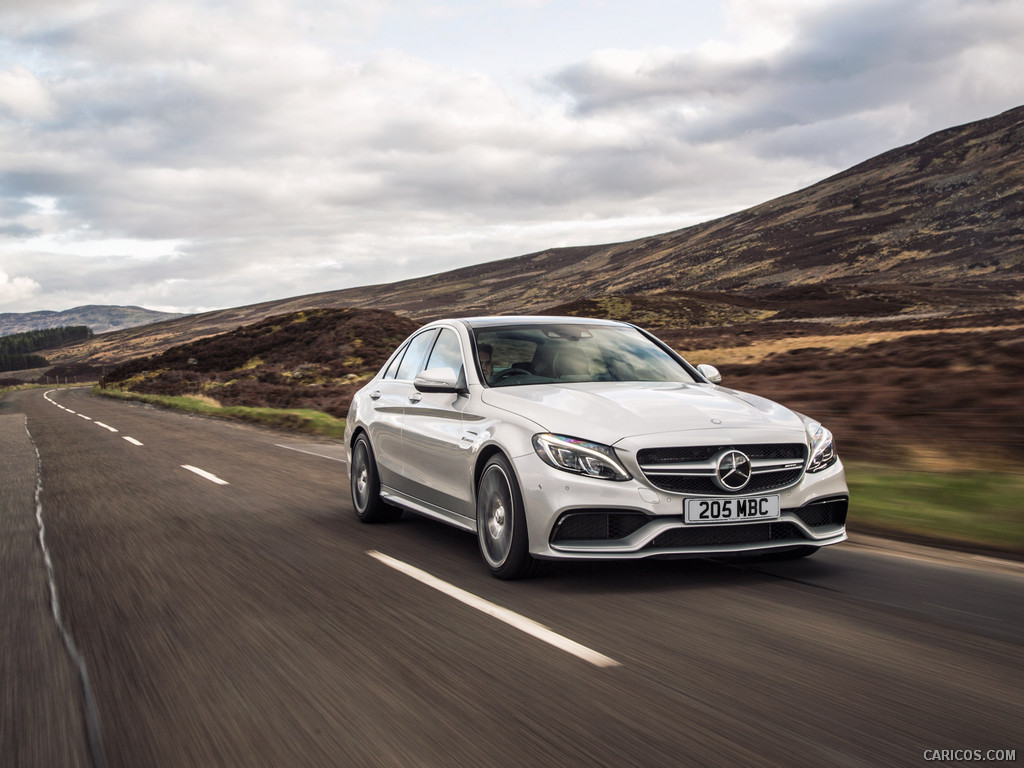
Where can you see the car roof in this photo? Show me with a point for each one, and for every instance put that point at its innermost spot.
(479, 322)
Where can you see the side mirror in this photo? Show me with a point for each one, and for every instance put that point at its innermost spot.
(439, 380)
(710, 373)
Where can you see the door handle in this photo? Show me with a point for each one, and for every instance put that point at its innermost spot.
(415, 397)
(375, 395)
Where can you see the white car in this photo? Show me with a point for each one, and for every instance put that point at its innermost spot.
(568, 438)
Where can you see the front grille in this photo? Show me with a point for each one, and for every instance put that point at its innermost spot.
(691, 469)
(830, 512)
(705, 486)
(597, 524)
(691, 453)
(719, 535)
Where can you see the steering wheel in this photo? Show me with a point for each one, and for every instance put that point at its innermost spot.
(508, 373)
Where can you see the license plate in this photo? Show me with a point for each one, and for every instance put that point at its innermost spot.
(747, 510)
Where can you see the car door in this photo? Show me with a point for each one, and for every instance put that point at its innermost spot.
(438, 465)
(390, 399)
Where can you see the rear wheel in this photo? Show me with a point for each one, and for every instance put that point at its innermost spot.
(501, 522)
(365, 485)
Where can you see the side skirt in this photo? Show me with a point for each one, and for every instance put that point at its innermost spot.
(391, 496)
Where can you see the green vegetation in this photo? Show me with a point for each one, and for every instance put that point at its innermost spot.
(16, 350)
(972, 507)
(18, 387)
(299, 419)
(21, 362)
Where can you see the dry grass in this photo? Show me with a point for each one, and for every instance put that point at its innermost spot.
(750, 354)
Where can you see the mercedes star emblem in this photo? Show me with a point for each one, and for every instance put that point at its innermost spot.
(733, 471)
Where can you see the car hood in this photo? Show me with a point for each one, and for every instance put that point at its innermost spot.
(609, 412)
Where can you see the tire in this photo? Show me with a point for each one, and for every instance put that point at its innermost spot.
(364, 482)
(501, 530)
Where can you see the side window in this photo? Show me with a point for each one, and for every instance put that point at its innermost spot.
(392, 368)
(412, 362)
(446, 353)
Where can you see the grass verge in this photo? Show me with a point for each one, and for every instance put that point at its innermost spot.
(298, 419)
(976, 509)
(27, 385)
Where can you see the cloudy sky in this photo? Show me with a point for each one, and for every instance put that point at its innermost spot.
(186, 155)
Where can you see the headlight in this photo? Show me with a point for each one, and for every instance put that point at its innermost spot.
(823, 451)
(580, 457)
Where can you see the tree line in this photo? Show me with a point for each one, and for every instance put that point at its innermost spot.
(17, 351)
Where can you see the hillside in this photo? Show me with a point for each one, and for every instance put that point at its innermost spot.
(945, 211)
(315, 359)
(907, 393)
(99, 319)
(931, 228)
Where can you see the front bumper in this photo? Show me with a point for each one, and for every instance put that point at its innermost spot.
(574, 517)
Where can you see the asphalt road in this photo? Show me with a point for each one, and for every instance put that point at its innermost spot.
(245, 623)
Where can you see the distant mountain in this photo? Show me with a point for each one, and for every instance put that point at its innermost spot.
(100, 319)
(933, 227)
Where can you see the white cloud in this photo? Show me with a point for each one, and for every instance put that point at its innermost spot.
(15, 290)
(206, 153)
(23, 96)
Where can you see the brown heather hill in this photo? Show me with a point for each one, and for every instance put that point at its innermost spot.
(935, 227)
(315, 359)
(947, 211)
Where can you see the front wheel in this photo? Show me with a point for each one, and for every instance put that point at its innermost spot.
(365, 485)
(501, 522)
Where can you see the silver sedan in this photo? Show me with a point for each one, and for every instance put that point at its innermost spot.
(567, 438)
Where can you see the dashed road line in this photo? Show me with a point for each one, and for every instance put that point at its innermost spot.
(203, 473)
(513, 619)
(98, 423)
(196, 470)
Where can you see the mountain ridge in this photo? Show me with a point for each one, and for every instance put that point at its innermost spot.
(100, 318)
(944, 209)
(938, 218)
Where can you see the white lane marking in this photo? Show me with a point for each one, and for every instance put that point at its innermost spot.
(131, 440)
(313, 453)
(47, 398)
(203, 473)
(523, 624)
(109, 428)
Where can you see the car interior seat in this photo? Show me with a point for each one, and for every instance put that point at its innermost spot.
(572, 364)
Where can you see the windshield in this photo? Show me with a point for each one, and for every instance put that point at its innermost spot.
(516, 355)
